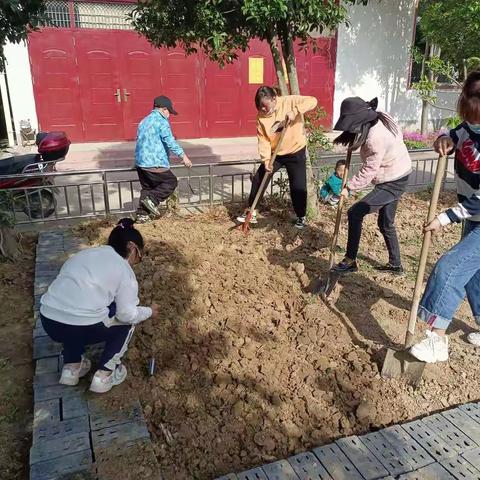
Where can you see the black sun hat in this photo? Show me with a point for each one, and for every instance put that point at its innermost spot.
(164, 102)
(355, 112)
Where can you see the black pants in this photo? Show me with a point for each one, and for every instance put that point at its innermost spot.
(74, 339)
(158, 186)
(384, 200)
(295, 163)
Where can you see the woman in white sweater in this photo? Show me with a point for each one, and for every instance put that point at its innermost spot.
(95, 299)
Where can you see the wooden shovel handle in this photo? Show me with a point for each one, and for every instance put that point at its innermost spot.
(267, 175)
(427, 236)
(338, 220)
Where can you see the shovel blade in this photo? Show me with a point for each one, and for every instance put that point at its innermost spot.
(402, 364)
(330, 283)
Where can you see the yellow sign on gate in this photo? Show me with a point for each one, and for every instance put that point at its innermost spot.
(255, 70)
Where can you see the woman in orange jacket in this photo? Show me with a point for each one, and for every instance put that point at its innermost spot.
(291, 155)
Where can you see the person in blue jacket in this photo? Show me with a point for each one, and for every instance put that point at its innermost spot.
(331, 189)
(154, 143)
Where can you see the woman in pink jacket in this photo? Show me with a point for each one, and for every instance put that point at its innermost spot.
(386, 164)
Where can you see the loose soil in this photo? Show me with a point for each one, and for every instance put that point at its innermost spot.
(16, 370)
(251, 367)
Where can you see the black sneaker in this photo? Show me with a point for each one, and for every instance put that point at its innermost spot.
(391, 269)
(300, 223)
(150, 205)
(345, 266)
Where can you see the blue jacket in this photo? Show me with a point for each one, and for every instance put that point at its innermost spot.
(155, 141)
(332, 186)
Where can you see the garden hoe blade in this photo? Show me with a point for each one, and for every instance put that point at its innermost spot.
(400, 363)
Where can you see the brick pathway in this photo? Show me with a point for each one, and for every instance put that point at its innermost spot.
(443, 446)
(75, 436)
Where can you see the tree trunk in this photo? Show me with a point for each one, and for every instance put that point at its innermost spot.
(424, 120)
(289, 55)
(277, 61)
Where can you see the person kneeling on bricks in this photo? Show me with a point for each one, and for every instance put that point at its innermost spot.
(95, 299)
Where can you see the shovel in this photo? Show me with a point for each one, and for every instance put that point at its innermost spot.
(333, 276)
(276, 127)
(400, 362)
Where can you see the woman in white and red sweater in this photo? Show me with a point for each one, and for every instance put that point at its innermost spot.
(386, 164)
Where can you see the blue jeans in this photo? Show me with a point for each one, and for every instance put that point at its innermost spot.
(456, 273)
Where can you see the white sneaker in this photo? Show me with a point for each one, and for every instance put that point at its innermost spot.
(71, 375)
(474, 338)
(432, 349)
(104, 384)
(243, 217)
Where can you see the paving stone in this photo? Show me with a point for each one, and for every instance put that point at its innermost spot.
(101, 418)
(396, 450)
(45, 347)
(252, 474)
(58, 429)
(473, 457)
(74, 406)
(57, 391)
(59, 468)
(472, 410)
(39, 290)
(464, 422)
(46, 412)
(451, 434)
(461, 469)
(125, 433)
(336, 463)
(46, 365)
(280, 470)
(438, 448)
(433, 471)
(59, 447)
(39, 332)
(46, 379)
(308, 467)
(365, 462)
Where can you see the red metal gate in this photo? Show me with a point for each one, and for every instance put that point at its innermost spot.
(98, 84)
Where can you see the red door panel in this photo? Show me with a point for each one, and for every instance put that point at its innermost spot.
(319, 76)
(140, 79)
(99, 80)
(54, 73)
(77, 72)
(180, 77)
(223, 100)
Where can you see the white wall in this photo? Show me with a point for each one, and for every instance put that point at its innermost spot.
(19, 79)
(373, 60)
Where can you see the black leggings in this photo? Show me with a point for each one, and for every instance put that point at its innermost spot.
(295, 163)
(74, 339)
(384, 200)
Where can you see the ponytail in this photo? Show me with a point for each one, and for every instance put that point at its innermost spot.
(123, 234)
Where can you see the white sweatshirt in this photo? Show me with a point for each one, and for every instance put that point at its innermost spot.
(87, 283)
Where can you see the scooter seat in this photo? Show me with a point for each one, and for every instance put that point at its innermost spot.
(13, 165)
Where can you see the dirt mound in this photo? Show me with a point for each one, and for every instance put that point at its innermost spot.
(250, 366)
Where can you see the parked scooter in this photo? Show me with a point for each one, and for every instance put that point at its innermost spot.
(35, 202)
